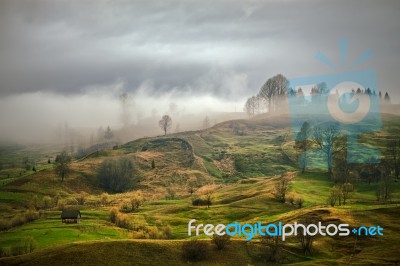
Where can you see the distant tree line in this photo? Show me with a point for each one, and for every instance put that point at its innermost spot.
(276, 89)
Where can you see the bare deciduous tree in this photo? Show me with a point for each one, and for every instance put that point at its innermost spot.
(274, 246)
(108, 134)
(306, 240)
(394, 156)
(347, 189)
(63, 161)
(281, 189)
(206, 122)
(273, 90)
(328, 141)
(165, 123)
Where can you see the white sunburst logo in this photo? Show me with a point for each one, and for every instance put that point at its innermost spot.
(347, 100)
(347, 92)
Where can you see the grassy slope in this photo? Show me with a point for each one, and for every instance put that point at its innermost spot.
(259, 150)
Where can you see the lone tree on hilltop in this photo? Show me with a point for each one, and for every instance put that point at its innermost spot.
(165, 123)
(63, 161)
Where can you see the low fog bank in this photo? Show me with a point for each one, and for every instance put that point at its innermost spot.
(81, 120)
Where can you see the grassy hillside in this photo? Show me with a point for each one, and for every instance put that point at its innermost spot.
(243, 158)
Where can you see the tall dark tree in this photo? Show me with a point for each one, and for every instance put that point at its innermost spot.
(394, 156)
(63, 161)
(165, 123)
(116, 175)
(108, 134)
(273, 90)
(249, 107)
(387, 97)
(206, 122)
(303, 144)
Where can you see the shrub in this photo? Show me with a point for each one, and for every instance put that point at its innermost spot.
(335, 196)
(281, 188)
(125, 207)
(290, 198)
(137, 235)
(299, 201)
(167, 231)
(5, 252)
(104, 199)
(19, 219)
(201, 202)
(47, 202)
(171, 193)
(154, 233)
(113, 215)
(57, 197)
(123, 221)
(136, 201)
(72, 201)
(29, 244)
(5, 224)
(17, 250)
(31, 215)
(195, 250)
(221, 241)
(61, 204)
(81, 198)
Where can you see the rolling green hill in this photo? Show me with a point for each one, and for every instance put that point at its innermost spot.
(244, 159)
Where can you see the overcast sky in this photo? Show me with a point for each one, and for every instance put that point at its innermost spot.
(66, 52)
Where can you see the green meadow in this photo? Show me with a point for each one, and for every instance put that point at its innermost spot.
(243, 160)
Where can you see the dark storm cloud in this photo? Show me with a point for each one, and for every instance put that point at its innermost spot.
(186, 46)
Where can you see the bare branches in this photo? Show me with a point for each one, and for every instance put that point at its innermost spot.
(165, 123)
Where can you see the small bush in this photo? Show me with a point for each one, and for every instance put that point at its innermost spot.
(167, 231)
(61, 204)
(154, 233)
(31, 215)
(104, 199)
(29, 244)
(195, 250)
(137, 235)
(113, 215)
(299, 201)
(81, 198)
(221, 241)
(136, 201)
(17, 250)
(201, 202)
(123, 221)
(125, 207)
(291, 198)
(47, 202)
(72, 201)
(5, 252)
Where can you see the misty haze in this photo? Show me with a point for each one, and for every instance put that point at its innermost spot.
(130, 128)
